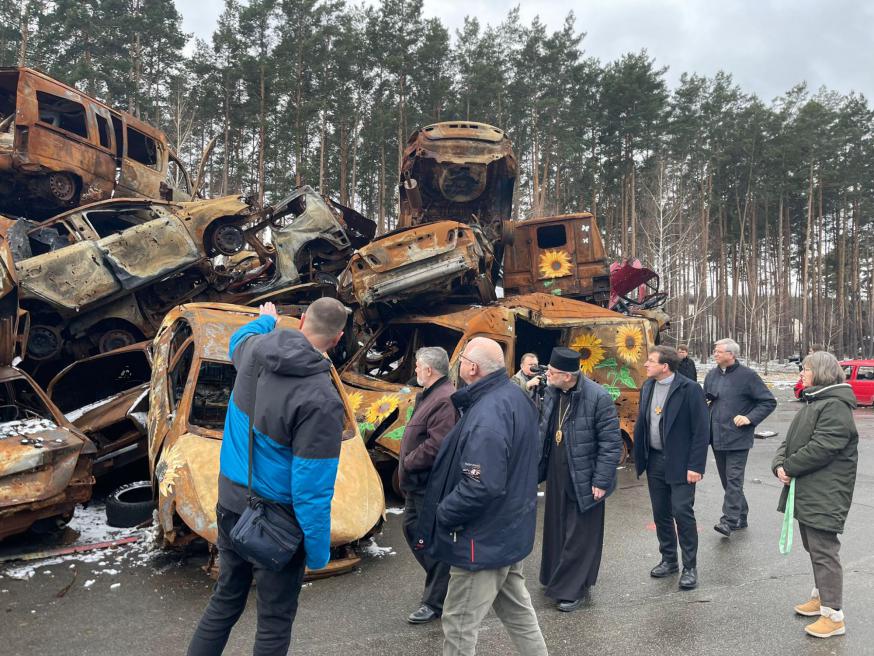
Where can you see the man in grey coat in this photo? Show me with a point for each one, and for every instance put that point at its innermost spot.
(739, 401)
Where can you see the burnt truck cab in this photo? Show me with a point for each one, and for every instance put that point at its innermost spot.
(559, 255)
(60, 148)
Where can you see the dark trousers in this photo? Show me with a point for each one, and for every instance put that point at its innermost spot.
(436, 573)
(828, 575)
(276, 594)
(672, 502)
(732, 467)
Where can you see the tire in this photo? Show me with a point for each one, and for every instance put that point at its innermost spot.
(130, 505)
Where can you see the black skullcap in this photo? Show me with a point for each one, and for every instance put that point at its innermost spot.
(565, 359)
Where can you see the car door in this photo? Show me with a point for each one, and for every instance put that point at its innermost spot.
(863, 384)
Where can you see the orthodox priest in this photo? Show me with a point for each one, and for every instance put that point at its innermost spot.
(582, 446)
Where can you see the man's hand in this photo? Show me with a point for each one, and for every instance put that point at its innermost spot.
(268, 310)
(598, 493)
(534, 382)
(740, 420)
(781, 474)
(693, 477)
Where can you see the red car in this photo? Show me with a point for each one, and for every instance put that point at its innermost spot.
(860, 376)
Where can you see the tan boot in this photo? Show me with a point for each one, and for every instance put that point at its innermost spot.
(810, 608)
(830, 623)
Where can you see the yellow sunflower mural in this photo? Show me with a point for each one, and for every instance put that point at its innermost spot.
(168, 470)
(629, 343)
(590, 350)
(355, 400)
(555, 264)
(381, 408)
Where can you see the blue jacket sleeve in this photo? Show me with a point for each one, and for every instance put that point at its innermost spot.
(609, 442)
(260, 326)
(317, 433)
(484, 464)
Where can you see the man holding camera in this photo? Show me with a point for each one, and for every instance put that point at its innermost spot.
(530, 375)
(739, 401)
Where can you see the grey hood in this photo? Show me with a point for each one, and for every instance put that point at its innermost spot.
(288, 353)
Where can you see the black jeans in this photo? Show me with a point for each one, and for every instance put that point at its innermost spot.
(436, 573)
(732, 467)
(276, 594)
(672, 502)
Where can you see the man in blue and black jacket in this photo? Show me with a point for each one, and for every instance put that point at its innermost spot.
(284, 385)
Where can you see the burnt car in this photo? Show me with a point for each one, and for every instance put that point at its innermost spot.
(103, 276)
(191, 385)
(45, 464)
(380, 378)
(60, 148)
(561, 255)
(412, 266)
(462, 171)
(106, 397)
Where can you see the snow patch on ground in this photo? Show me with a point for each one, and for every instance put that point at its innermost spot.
(372, 549)
(394, 511)
(90, 523)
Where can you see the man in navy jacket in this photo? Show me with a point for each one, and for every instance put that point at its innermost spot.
(284, 387)
(671, 436)
(480, 507)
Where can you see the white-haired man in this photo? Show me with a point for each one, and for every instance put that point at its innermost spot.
(433, 417)
(739, 401)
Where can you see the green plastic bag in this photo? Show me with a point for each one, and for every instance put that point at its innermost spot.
(788, 519)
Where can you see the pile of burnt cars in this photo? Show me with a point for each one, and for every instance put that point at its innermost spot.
(124, 307)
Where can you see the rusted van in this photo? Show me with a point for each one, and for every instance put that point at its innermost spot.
(559, 255)
(60, 148)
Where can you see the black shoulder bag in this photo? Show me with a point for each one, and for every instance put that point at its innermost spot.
(267, 533)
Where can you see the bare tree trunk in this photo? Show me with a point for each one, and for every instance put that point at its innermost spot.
(805, 269)
(262, 134)
(25, 33)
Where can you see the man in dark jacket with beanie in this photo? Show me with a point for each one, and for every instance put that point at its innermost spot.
(284, 388)
(480, 507)
(582, 445)
(670, 444)
(739, 401)
(433, 417)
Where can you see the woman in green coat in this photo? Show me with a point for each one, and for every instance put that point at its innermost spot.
(820, 452)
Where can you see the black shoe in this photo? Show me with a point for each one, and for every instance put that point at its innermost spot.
(689, 578)
(423, 615)
(723, 527)
(569, 606)
(663, 569)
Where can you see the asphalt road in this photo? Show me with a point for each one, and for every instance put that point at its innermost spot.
(743, 605)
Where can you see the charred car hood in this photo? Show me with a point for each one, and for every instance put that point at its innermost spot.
(42, 466)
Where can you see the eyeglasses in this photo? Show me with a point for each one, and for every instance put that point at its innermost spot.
(464, 357)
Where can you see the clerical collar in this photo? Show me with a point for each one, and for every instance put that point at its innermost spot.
(667, 381)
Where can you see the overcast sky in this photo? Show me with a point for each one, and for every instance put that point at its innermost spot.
(767, 45)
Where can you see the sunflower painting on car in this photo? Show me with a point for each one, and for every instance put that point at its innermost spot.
(612, 355)
(555, 263)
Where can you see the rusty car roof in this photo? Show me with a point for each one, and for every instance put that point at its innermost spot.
(212, 325)
(547, 305)
(549, 219)
(461, 130)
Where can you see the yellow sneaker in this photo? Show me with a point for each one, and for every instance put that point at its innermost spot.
(830, 623)
(809, 608)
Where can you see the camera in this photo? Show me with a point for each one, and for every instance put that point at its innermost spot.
(538, 369)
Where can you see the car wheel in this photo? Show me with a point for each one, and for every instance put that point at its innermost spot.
(44, 342)
(130, 505)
